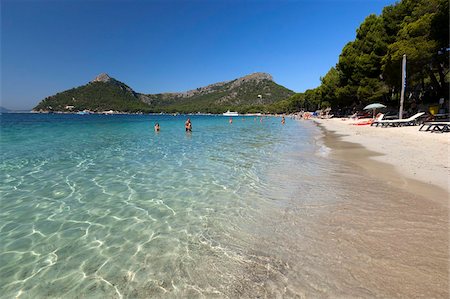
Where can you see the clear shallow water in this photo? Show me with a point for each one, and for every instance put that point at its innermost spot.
(103, 207)
(97, 206)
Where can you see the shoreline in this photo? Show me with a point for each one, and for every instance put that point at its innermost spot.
(390, 229)
(280, 220)
(403, 157)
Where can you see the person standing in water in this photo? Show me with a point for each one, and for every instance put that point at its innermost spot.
(157, 127)
(188, 125)
(283, 121)
(231, 120)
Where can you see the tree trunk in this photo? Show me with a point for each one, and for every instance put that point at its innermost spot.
(434, 80)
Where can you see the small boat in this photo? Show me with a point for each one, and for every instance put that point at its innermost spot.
(231, 113)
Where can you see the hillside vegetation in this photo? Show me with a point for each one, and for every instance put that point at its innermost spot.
(96, 97)
(369, 68)
(247, 94)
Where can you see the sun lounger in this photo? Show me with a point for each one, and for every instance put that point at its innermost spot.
(370, 121)
(412, 121)
(435, 126)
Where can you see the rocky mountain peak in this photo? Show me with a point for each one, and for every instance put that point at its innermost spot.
(258, 76)
(105, 93)
(103, 77)
(252, 77)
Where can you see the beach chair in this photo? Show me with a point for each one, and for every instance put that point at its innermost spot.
(370, 121)
(435, 126)
(411, 121)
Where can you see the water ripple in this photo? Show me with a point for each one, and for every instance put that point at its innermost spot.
(102, 207)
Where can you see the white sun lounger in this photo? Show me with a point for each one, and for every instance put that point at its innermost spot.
(436, 126)
(411, 121)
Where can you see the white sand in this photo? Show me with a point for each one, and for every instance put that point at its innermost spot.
(422, 156)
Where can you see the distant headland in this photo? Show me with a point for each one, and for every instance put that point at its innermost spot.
(250, 93)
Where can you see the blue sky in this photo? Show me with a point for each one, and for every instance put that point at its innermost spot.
(163, 46)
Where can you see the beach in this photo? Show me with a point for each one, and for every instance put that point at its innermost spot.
(403, 156)
(391, 241)
(242, 210)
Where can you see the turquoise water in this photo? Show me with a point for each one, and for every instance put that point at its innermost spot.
(103, 207)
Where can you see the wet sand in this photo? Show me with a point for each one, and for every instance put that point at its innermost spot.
(389, 241)
(363, 158)
(420, 156)
(367, 238)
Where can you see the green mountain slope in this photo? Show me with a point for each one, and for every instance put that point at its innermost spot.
(250, 93)
(101, 94)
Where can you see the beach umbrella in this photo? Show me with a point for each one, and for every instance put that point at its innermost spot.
(374, 107)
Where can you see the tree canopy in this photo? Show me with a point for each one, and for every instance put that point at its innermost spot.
(368, 70)
(369, 67)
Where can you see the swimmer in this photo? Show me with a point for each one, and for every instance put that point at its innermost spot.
(283, 121)
(231, 120)
(157, 127)
(188, 125)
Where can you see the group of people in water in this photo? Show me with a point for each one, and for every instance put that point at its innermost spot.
(188, 124)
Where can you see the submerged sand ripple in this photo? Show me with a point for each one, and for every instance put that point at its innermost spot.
(305, 226)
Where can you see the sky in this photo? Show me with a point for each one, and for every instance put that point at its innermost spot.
(170, 46)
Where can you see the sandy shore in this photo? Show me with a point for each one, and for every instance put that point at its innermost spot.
(420, 160)
(388, 233)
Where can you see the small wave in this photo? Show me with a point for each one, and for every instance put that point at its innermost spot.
(323, 151)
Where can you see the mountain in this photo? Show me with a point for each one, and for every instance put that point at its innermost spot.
(249, 93)
(4, 110)
(101, 94)
(245, 93)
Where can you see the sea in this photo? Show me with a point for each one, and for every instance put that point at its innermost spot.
(102, 206)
